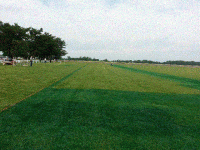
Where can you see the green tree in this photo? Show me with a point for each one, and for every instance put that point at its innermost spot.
(13, 39)
(48, 46)
(16, 41)
(33, 41)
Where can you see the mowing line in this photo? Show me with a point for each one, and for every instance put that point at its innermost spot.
(54, 84)
(61, 80)
(22, 100)
(187, 82)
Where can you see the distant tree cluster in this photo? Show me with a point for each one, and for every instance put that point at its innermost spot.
(182, 63)
(177, 62)
(16, 41)
(83, 58)
(138, 61)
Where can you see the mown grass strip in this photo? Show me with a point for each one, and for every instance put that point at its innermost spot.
(180, 71)
(103, 76)
(191, 83)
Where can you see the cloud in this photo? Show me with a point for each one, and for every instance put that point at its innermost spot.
(120, 29)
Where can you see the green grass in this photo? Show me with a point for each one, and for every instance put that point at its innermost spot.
(191, 83)
(180, 71)
(18, 82)
(99, 106)
(102, 76)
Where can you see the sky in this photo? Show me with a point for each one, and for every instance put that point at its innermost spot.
(158, 30)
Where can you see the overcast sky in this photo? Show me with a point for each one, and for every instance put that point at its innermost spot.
(157, 30)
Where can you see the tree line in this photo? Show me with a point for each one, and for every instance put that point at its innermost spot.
(83, 58)
(17, 41)
(175, 62)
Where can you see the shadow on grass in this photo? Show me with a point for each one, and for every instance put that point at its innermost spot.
(93, 119)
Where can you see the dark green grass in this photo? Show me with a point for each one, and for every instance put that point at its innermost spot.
(101, 119)
(188, 82)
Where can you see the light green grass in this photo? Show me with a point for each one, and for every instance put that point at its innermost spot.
(186, 82)
(19, 82)
(102, 76)
(181, 71)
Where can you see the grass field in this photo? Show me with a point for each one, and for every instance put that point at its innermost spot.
(19, 82)
(180, 71)
(97, 106)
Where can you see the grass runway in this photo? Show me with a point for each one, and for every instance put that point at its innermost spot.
(98, 106)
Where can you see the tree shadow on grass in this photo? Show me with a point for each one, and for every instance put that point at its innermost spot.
(78, 119)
